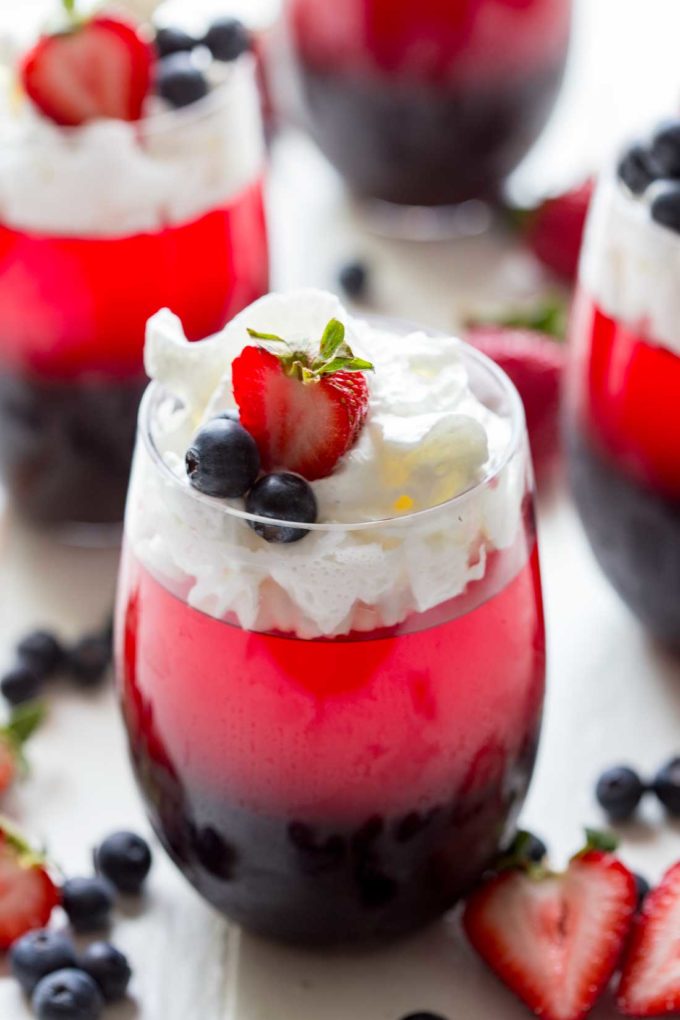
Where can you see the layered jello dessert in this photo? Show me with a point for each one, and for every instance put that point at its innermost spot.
(130, 179)
(330, 638)
(428, 103)
(623, 420)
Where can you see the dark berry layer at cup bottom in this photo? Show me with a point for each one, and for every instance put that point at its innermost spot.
(66, 447)
(297, 881)
(635, 535)
(414, 144)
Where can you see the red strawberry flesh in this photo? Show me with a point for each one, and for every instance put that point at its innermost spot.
(554, 231)
(27, 893)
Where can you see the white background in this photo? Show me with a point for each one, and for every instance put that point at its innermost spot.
(612, 694)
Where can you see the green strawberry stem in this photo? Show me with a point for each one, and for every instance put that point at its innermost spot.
(29, 857)
(24, 721)
(548, 316)
(309, 364)
(70, 7)
(596, 839)
(516, 858)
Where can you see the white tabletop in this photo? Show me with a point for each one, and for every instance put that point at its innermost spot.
(612, 695)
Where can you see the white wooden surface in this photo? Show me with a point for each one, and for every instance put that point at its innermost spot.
(612, 694)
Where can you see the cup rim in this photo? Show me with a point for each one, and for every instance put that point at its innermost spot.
(156, 392)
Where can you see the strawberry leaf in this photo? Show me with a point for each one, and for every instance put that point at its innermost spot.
(598, 840)
(345, 364)
(272, 337)
(24, 721)
(332, 339)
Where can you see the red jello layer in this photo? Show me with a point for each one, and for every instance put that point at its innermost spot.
(626, 391)
(435, 41)
(334, 728)
(72, 306)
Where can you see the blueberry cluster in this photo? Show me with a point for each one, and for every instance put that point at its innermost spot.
(656, 164)
(620, 789)
(180, 78)
(224, 461)
(41, 656)
(65, 985)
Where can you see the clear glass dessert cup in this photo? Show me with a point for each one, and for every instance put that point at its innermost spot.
(427, 105)
(346, 773)
(141, 216)
(623, 393)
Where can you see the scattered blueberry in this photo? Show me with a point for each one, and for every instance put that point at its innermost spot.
(223, 459)
(179, 81)
(637, 170)
(643, 889)
(619, 791)
(21, 683)
(88, 903)
(353, 278)
(39, 953)
(42, 651)
(535, 848)
(285, 497)
(227, 39)
(125, 860)
(89, 659)
(68, 994)
(109, 968)
(666, 786)
(666, 206)
(665, 149)
(174, 40)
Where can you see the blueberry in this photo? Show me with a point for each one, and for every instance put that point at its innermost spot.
(666, 206)
(666, 786)
(636, 169)
(109, 968)
(223, 459)
(21, 683)
(89, 659)
(535, 848)
(643, 889)
(353, 278)
(125, 860)
(88, 903)
(619, 791)
(42, 651)
(179, 81)
(285, 497)
(227, 39)
(174, 40)
(39, 953)
(665, 149)
(68, 994)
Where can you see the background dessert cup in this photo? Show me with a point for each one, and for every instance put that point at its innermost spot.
(334, 737)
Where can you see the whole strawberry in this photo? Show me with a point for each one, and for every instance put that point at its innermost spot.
(96, 67)
(304, 405)
(23, 722)
(554, 230)
(27, 893)
(535, 363)
(555, 939)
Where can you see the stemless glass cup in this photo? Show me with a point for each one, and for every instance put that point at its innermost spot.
(74, 303)
(430, 103)
(623, 398)
(346, 776)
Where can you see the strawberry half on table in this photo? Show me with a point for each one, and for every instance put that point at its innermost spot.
(650, 983)
(23, 723)
(303, 404)
(555, 939)
(98, 67)
(27, 893)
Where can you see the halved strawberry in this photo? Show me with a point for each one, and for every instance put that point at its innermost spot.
(24, 720)
(304, 406)
(27, 893)
(535, 363)
(97, 68)
(554, 230)
(555, 939)
(650, 983)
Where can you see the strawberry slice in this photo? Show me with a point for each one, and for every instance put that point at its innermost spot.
(27, 893)
(555, 939)
(304, 406)
(97, 68)
(535, 363)
(650, 983)
(554, 230)
(24, 721)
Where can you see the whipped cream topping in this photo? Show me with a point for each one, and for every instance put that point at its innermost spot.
(111, 178)
(631, 265)
(427, 439)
